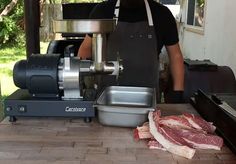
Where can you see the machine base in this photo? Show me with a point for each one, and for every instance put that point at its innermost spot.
(21, 104)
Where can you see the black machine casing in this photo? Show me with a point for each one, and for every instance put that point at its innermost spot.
(22, 104)
(40, 94)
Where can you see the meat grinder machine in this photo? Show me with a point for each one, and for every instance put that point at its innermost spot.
(52, 84)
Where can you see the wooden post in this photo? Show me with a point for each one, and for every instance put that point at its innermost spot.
(32, 23)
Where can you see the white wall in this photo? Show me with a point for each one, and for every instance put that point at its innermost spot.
(218, 42)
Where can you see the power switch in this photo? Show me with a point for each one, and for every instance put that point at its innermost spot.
(8, 108)
(21, 108)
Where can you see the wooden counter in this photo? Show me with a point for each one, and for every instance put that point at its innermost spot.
(65, 140)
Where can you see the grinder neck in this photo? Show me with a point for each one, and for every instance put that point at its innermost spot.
(98, 47)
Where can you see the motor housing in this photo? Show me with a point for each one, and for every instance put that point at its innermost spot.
(38, 74)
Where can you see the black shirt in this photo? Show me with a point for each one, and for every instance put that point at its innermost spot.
(164, 22)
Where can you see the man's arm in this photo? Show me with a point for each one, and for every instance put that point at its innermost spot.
(176, 66)
(85, 49)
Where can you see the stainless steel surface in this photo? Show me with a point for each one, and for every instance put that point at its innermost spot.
(69, 77)
(125, 106)
(99, 47)
(99, 28)
(98, 51)
(84, 26)
(70, 68)
(225, 106)
(112, 68)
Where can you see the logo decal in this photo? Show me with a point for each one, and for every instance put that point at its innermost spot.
(74, 109)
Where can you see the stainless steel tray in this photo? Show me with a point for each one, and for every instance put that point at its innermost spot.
(125, 106)
(84, 26)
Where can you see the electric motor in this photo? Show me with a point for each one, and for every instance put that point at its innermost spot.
(38, 74)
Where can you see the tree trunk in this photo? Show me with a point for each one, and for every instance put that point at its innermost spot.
(42, 4)
(8, 8)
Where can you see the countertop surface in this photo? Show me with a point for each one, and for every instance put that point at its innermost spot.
(72, 141)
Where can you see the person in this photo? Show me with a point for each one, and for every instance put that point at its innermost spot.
(143, 28)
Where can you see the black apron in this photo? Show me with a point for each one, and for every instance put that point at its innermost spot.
(136, 45)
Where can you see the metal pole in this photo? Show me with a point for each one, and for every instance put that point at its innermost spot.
(32, 22)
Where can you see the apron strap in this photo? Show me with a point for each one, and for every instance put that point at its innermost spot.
(149, 13)
(148, 10)
(117, 10)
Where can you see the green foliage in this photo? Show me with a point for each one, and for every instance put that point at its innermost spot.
(3, 3)
(201, 3)
(89, 1)
(11, 31)
(11, 54)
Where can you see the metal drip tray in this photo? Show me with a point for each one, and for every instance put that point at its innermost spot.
(125, 106)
